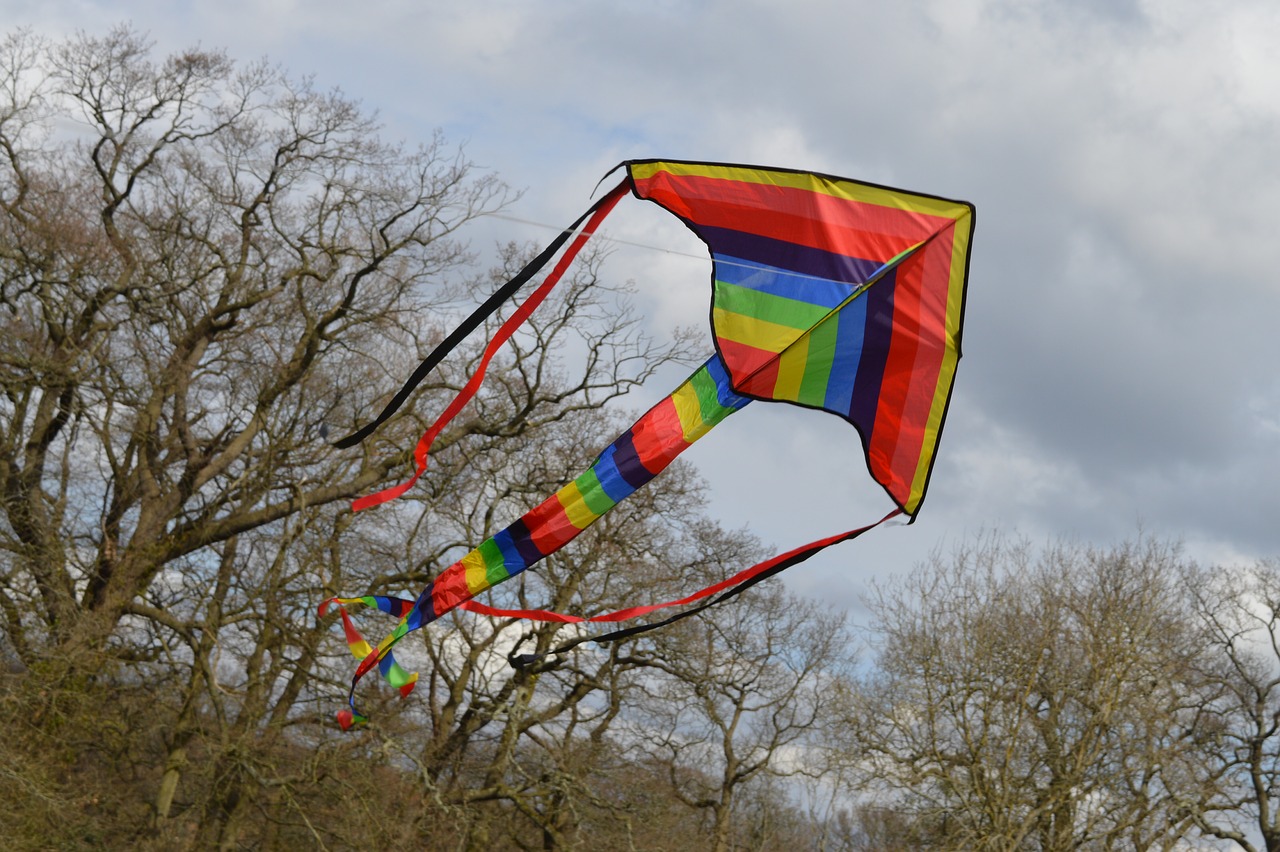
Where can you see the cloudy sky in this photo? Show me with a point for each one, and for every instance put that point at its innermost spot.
(1121, 346)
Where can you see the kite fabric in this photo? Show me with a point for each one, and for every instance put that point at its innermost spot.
(795, 313)
(827, 293)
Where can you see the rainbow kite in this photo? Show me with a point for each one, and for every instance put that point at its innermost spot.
(826, 292)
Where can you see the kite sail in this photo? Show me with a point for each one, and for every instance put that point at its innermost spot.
(827, 293)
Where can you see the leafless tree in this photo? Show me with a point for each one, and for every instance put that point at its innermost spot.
(204, 269)
(202, 266)
(1024, 702)
(1240, 610)
(735, 700)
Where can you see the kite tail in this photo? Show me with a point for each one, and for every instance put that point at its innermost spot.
(390, 670)
(596, 215)
(637, 456)
(726, 588)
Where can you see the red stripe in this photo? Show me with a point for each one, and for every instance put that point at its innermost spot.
(891, 421)
(803, 217)
(935, 275)
(658, 436)
(549, 526)
(353, 635)
(754, 371)
(450, 589)
(532, 614)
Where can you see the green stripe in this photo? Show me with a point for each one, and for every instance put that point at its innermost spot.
(768, 307)
(592, 493)
(704, 388)
(495, 571)
(817, 368)
(396, 676)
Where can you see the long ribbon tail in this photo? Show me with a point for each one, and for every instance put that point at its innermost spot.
(730, 586)
(637, 456)
(480, 314)
(598, 212)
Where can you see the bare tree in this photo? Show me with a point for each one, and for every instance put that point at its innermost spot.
(1240, 610)
(201, 266)
(734, 702)
(204, 268)
(1036, 703)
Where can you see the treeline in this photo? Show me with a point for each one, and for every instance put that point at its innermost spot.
(207, 271)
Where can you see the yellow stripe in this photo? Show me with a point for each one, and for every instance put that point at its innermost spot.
(575, 508)
(476, 573)
(762, 334)
(843, 189)
(360, 649)
(689, 412)
(791, 366)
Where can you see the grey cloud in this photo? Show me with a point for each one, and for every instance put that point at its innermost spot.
(1120, 351)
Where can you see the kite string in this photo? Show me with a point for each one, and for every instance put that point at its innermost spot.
(487, 309)
(718, 261)
(634, 244)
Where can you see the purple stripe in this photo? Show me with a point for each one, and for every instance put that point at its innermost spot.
(611, 480)
(877, 335)
(522, 541)
(789, 256)
(424, 611)
(628, 461)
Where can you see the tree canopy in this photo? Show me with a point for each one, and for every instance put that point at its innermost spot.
(208, 267)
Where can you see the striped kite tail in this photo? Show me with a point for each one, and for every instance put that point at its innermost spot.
(637, 456)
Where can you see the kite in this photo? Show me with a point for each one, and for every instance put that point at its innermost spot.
(827, 293)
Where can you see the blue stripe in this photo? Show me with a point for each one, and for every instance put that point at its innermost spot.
(511, 558)
(780, 282)
(851, 322)
(611, 481)
(725, 394)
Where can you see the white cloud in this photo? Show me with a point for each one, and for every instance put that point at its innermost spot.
(1120, 350)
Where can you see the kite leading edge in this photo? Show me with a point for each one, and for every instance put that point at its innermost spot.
(827, 293)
